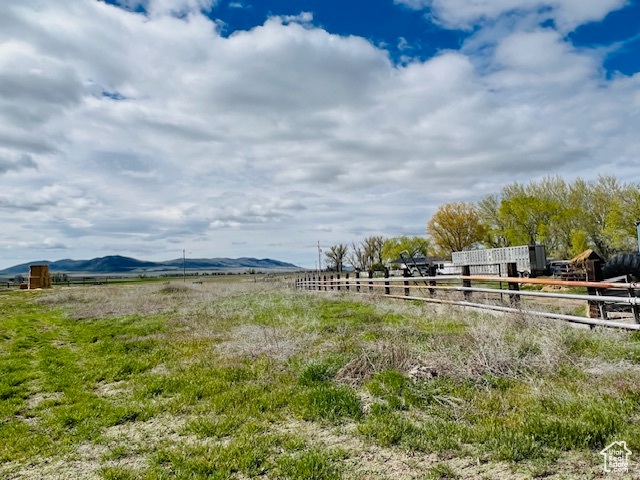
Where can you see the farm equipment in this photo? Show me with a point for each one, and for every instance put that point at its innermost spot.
(624, 264)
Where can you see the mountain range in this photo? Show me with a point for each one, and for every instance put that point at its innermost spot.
(119, 264)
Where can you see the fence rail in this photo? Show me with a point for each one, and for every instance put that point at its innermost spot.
(481, 291)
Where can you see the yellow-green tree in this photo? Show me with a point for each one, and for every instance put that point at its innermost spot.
(566, 217)
(607, 213)
(456, 226)
(413, 246)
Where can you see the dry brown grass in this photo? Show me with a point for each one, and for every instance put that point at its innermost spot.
(377, 357)
(254, 341)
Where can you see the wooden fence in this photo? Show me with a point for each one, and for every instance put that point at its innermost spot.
(605, 300)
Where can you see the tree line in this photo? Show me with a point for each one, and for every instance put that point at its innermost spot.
(566, 217)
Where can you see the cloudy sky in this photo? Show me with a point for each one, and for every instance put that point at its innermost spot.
(260, 127)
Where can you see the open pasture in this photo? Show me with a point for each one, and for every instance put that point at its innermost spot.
(236, 379)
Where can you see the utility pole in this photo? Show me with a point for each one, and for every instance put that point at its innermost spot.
(319, 261)
(184, 268)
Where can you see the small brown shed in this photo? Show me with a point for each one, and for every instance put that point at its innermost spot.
(580, 261)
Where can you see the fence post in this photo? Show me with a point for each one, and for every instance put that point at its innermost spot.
(466, 271)
(594, 274)
(387, 290)
(324, 282)
(370, 283)
(432, 272)
(358, 281)
(634, 308)
(338, 281)
(347, 283)
(512, 271)
(405, 274)
(331, 281)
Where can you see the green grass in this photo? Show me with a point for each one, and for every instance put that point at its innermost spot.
(442, 471)
(144, 379)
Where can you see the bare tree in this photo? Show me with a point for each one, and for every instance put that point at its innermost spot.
(366, 254)
(358, 257)
(373, 246)
(336, 256)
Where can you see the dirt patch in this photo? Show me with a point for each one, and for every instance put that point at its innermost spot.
(369, 461)
(82, 464)
(111, 389)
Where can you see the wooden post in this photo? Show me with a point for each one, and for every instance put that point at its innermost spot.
(466, 271)
(594, 274)
(512, 271)
(347, 284)
(338, 281)
(405, 274)
(387, 290)
(358, 281)
(370, 283)
(432, 271)
(331, 281)
(635, 309)
(324, 282)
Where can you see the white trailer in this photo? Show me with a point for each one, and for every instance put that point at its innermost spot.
(531, 260)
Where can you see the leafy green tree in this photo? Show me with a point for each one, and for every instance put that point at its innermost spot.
(414, 246)
(529, 219)
(489, 211)
(567, 218)
(606, 209)
(456, 226)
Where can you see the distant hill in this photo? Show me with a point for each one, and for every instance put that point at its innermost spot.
(119, 264)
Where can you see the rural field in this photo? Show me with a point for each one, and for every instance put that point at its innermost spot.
(238, 379)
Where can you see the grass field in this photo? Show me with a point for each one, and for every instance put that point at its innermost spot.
(242, 379)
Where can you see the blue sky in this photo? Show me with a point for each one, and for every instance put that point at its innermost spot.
(381, 22)
(620, 31)
(409, 33)
(144, 127)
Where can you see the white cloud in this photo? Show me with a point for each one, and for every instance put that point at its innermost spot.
(170, 7)
(567, 14)
(154, 132)
(303, 18)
